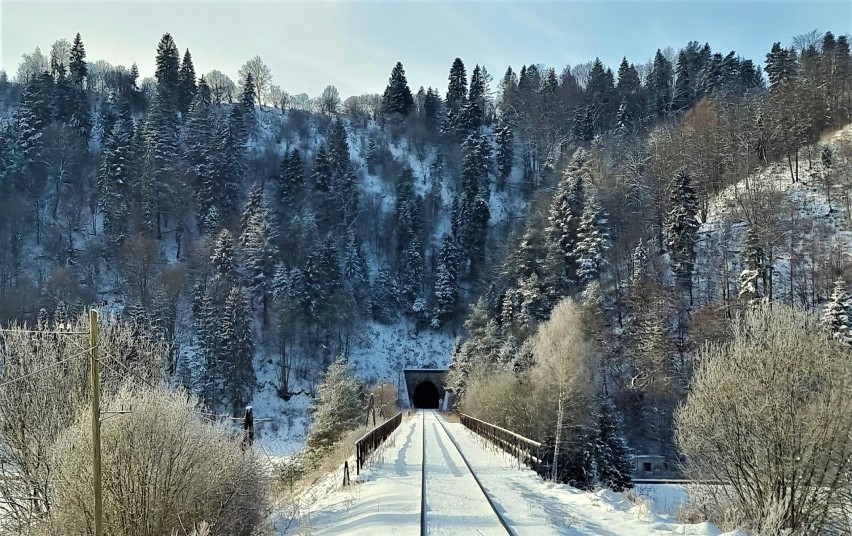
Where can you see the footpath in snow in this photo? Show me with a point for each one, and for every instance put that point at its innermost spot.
(386, 498)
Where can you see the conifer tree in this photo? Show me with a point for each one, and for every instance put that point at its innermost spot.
(446, 283)
(257, 241)
(386, 295)
(323, 173)
(186, 83)
(592, 242)
(837, 315)
(660, 86)
(683, 228)
(228, 171)
(565, 215)
(456, 96)
(78, 100)
(335, 410)
(246, 108)
(612, 455)
(115, 179)
(237, 350)
(167, 71)
(505, 154)
(397, 98)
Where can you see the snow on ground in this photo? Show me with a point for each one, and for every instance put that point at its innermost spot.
(385, 499)
(806, 217)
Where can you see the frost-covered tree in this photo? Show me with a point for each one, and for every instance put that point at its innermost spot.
(837, 315)
(505, 154)
(446, 282)
(261, 77)
(397, 98)
(613, 459)
(237, 350)
(168, 71)
(187, 86)
(682, 224)
(564, 217)
(593, 242)
(115, 180)
(257, 240)
(335, 410)
(386, 296)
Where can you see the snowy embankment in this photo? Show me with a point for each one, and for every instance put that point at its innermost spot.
(385, 499)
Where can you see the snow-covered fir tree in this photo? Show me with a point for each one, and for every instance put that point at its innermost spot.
(837, 315)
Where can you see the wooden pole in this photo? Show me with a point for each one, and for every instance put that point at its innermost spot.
(94, 365)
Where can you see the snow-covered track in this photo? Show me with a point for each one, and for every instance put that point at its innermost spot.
(451, 496)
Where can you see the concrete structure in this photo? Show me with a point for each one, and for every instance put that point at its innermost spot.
(426, 387)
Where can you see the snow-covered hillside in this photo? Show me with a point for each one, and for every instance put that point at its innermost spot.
(808, 238)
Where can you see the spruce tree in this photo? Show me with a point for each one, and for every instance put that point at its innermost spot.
(323, 173)
(837, 315)
(660, 86)
(247, 108)
(592, 243)
(237, 351)
(335, 410)
(167, 70)
(683, 226)
(115, 179)
(186, 83)
(505, 154)
(386, 295)
(613, 459)
(228, 171)
(446, 283)
(565, 215)
(456, 96)
(397, 98)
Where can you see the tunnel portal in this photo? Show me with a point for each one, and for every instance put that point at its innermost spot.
(426, 395)
(426, 387)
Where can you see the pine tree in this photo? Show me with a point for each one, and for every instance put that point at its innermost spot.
(456, 96)
(612, 455)
(257, 241)
(80, 115)
(411, 274)
(223, 257)
(754, 261)
(355, 271)
(162, 143)
(115, 179)
(566, 212)
(397, 98)
(837, 315)
(60, 315)
(292, 177)
(592, 242)
(660, 86)
(683, 228)
(228, 171)
(385, 300)
(472, 111)
(186, 83)
(167, 71)
(323, 173)
(505, 154)
(446, 283)
(335, 410)
(237, 350)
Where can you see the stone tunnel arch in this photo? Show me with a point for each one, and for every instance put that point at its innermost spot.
(423, 384)
(426, 395)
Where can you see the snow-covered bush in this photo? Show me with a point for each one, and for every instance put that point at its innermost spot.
(165, 468)
(769, 411)
(45, 385)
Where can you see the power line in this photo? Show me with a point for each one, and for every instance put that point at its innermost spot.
(38, 371)
(42, 331)
(129, 371)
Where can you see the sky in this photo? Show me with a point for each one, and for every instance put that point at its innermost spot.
(354, 44)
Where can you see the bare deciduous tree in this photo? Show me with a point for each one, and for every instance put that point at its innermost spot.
(770, 413)
(261, 74)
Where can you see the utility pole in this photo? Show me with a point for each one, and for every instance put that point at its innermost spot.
(94, 365)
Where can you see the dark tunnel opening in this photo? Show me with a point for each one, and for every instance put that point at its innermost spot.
(426, 395)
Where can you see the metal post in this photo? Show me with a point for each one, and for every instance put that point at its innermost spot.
(94, 365)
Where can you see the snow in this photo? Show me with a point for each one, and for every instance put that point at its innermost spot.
(385, 499)
(818, 231)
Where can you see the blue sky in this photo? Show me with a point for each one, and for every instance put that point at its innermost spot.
(355, 44)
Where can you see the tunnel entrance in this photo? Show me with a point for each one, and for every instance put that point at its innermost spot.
(426, 395)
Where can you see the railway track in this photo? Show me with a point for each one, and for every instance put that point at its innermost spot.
(467, 492)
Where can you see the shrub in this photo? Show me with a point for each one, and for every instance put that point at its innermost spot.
(45, 385)
(164, 469)
(770, 413)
